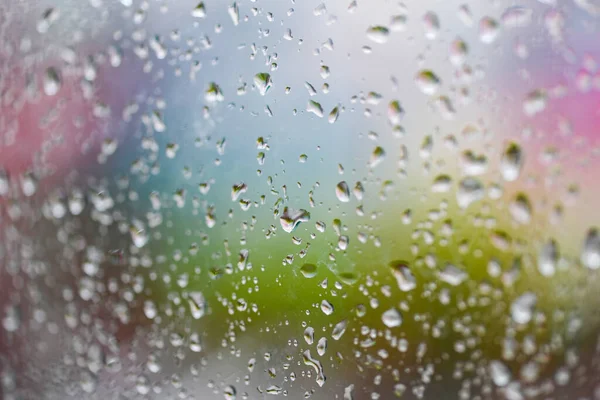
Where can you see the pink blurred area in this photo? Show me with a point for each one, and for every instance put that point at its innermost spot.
(48, 136)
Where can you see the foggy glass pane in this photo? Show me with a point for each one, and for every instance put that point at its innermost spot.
(331, 199)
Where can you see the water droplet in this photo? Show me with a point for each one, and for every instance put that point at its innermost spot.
(315, 108)
(458, 52)
(199, 11)
(52, 82)
(404, 277)
(392, 318)
(452, 275)
(310, 88)
(398, 23)
(469, 191)
(488, 29)
(395, 112)
(309, 335)
(535, 102)
(473, 164)
(333, 115)
(590, 254)
(316, 364)
(548, 258)
(322, 346)
(378, 34)
(427, 81)
(291, 218)
(138, 235)
(234, 13)
(517, 16)
(339, 329)
(377, 156)
(237, 190)
(520, 209)
(229, 392)
(431, 23)
(327, 307)
(521, 309)
(263, 82)
(500, 373)
(342, 192)
(213, 93)
(512, 162)
(441, 184)
(197, 304)
(49, 17)
(343, 242)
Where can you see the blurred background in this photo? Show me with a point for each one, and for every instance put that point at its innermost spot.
(330, 200)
